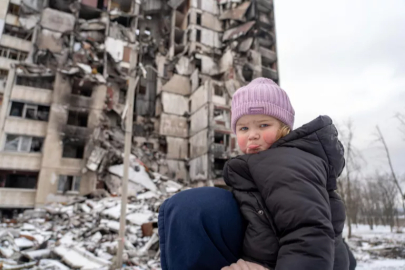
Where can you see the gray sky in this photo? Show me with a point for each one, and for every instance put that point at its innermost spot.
(346, 59)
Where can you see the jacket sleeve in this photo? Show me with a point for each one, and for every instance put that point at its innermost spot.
(293, 187)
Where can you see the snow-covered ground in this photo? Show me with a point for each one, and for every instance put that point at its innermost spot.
(378, 249)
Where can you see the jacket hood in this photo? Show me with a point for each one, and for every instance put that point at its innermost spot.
(320, 138)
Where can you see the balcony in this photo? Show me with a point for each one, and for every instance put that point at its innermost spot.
(269, 73)
(17, 198)
(219, 151)
(268, 56)
(31, 94)
(13, 20)
(5, 63)
(16, 125)
(20, 161)
(15, 43)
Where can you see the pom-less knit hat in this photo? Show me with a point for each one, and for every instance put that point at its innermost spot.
(262, 96)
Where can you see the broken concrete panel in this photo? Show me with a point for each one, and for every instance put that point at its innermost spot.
(78, 257)
(199, 98)
(269, 73)
(29, 6)
(95, 158)
(199, 120)
(172, 125)
(57, 21)
(50, 40)
(199, 144)
(245, 45)
(178, 85)
(184, 66)
(199, 168)
(237, 14)
(208, 65)
(177, 169)
(211, 22)
(152, 6)
(29, 22)
(115, 48)
(137, 175)
(268, 56)
(195, 80)
(237, 32)
(177, 148)
(174, 104)
(210, 6)
(226, 61)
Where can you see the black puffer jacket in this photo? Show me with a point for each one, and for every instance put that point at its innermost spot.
(286, 194)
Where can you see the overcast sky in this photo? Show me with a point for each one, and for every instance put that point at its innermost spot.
(346, 59)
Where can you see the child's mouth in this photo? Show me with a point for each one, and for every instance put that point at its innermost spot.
(253, 147)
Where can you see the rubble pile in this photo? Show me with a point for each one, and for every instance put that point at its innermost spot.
(82, 233)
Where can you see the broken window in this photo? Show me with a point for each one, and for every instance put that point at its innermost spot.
(147, 31)
(142, 90)
(82, 91)
(44, 82)
(18, 179)
(29, 111)
(69, 183)
(198, 37)
(218, 90)
(14, 9)
(18, 143)
(3, 74)
(122, 96)
(73, 150)
(77, 118)
(198, 19)
(198, 64)
(16, 31)
(13, 54)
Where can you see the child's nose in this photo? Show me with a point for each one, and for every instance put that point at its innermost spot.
(254, 135)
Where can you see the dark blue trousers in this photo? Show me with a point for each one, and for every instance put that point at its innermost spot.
(200, 229)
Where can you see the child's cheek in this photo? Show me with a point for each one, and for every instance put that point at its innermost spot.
(269, 136)
(242, 141)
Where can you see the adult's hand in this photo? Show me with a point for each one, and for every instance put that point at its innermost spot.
(244, 265)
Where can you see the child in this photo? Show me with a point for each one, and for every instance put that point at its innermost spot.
(285, 185)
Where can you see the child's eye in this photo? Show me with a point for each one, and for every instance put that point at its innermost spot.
(243, 129)
(264, 125)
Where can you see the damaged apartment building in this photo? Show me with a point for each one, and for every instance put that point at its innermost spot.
(66, 68)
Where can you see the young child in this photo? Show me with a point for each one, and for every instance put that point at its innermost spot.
(285, 184)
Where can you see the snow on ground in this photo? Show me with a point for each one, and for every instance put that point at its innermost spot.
(377, 249)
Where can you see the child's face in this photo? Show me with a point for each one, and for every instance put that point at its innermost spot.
(256, 133)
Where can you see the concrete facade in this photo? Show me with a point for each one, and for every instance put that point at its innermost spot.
(64, 99)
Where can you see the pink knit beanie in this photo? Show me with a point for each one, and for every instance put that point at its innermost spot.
(262, 96)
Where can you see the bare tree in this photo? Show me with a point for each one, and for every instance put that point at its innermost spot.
(388, 196)
(346, 183)
(394, 177)
(401, 119)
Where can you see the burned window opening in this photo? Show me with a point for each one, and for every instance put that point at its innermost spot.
(13, 9)
(198, 36)
(16, 31)
(69, 183)
(218, 91)
(73, 150)
(142, 90)
(198, 64)
(13, 54)
(77, 118)
(125, 21)
(247, 73)
(45, 82)
(27, 144)
(122, 96)
(29, 111)
(18, 179)
(219, 165)
(3, 74)
(89, 12)
(198, 18)
(148, 145)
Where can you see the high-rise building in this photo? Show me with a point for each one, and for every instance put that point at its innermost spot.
(66, 67)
